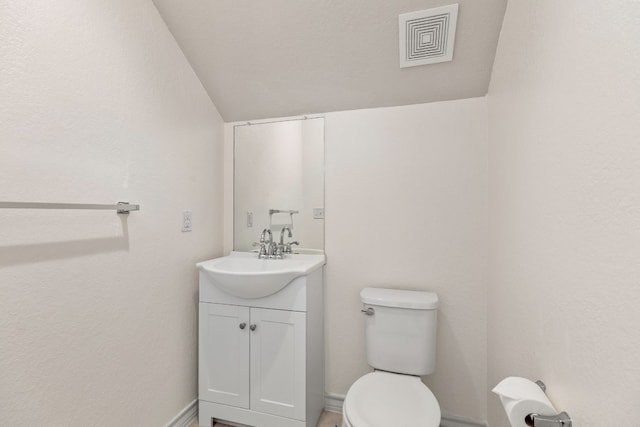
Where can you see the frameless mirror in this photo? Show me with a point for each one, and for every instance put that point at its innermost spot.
(278, 182)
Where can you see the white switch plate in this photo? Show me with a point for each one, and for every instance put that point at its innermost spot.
(249, 219)
(318, 213)
(186, 221)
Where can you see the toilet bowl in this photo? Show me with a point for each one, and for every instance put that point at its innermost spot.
(383, 399)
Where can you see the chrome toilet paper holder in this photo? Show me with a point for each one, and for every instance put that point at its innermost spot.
(536, 420)
(560, 420)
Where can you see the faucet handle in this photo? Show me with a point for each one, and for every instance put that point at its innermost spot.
(287, 248)
(263, 250)
(279, 252)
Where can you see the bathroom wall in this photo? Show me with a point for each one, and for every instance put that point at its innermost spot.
(564, 120)
(406, 207)
(98, 311)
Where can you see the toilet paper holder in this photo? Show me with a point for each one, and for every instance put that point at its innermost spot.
(536, 420)
(560, 420)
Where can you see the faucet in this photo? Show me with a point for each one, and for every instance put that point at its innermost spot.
(263, 249)
(279, 249)
(286, 248)
(282, 234)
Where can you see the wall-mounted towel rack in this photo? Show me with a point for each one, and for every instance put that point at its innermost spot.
(120, 207)
(282, 211)
(275, 211)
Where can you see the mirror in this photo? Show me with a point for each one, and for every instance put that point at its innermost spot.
(278, 181)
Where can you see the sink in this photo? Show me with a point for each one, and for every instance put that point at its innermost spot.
(244, 275)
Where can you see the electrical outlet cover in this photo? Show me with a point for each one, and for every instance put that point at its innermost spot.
(187, 222)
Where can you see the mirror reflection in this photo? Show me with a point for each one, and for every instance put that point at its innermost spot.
(279, 184)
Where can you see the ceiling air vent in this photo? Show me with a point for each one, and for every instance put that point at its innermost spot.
(427, 36)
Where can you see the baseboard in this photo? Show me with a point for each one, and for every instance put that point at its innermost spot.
(456, 421)
(333, 403)
(186, 416)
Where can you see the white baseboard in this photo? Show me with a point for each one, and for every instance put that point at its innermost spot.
(333, 403)
(456, 421)
(186, 416)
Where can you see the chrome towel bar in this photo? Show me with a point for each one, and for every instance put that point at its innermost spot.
(275, 211)
(120, 207)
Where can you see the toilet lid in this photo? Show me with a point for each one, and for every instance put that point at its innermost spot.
(382, 399)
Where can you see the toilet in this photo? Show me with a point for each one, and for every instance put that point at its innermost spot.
(400, 336)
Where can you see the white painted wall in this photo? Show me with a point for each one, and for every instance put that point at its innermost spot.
(98, 312)
(565, 207)
(406, 205)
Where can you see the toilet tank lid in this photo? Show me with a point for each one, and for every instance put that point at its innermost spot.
(417, 300)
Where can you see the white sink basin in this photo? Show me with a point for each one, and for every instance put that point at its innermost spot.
(244, 275)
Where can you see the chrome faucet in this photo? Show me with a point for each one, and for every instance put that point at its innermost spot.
(263, 243)
(279, 248)
(286, 248)
(272, 250)
(282, 235)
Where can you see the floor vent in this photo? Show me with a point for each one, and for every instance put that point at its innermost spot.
(427, 36)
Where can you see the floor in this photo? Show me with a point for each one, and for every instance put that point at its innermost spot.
(327, 419)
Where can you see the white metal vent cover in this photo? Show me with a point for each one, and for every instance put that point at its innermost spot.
(427, 36)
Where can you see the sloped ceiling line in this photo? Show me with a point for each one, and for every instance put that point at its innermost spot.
(279, 58)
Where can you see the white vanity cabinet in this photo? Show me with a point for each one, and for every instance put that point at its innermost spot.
(264, 348)
(261, 361)
(223, 354)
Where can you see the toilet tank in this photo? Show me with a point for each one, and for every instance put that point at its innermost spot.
(400, 333)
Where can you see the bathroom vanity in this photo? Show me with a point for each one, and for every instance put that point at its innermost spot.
(261, 359)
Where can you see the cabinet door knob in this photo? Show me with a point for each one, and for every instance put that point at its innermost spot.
(253, 327)
(243, 325)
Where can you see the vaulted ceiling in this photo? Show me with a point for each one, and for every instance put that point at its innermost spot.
(276, 58)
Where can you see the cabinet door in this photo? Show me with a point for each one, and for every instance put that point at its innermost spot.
(223, 375)
(278, 381)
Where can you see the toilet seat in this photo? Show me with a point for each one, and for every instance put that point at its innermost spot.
(382, 399)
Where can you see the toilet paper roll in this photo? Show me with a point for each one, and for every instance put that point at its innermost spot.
(521, 397)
